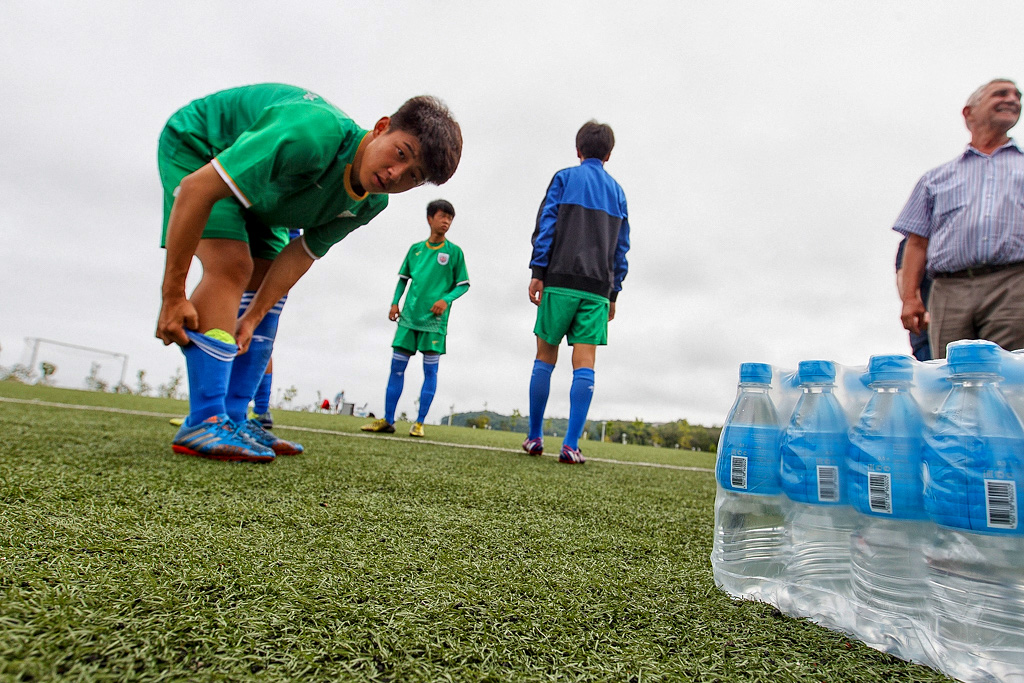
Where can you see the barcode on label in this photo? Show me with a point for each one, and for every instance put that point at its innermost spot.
(828, 484)
(738, 475)
(1001, 503)
(880, 492)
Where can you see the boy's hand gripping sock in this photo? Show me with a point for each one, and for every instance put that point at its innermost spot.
(540, 387)
(431, 361)
(209, 366)
(248, 368)
(580, 395)
(396, 382)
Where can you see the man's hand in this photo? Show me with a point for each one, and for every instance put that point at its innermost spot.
(536, 291)
(914, 316)
(611, 311)
(175, 315)
(393, 313)
(439, 307)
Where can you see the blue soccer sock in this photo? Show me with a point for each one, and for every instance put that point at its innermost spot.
(263, 392)
(430, 365)
(540, 387)
(580, 395)
(249, 368)
(396, 382)
(209, 366)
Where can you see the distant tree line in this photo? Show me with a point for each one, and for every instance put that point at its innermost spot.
(678, 434)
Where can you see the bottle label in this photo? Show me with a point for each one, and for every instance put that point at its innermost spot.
(828, 484)
(885, 475)
(738, 472)
(748, 459)
(1001, 503)
(880, 492)
(971, 482)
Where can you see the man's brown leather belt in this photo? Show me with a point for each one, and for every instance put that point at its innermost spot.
(979, 270)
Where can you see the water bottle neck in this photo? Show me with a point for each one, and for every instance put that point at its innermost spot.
(889, 387)
(975, 379)
(817, 388)
(754, 388)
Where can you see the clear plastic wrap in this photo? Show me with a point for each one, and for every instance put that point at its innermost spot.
(882, 501)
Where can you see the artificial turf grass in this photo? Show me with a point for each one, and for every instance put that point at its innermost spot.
(351, 425)
(370, 560)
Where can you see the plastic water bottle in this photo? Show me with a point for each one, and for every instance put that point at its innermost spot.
(889, 584)
(820, 520)
(747, 558)
(973, 477)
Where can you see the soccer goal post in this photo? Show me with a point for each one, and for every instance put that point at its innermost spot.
(40, 347)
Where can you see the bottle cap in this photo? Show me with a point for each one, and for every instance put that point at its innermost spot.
(755, 373)
(817, 372)
(890, 368)
(973, 356)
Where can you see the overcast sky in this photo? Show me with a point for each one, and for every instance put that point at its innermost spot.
(765, 150)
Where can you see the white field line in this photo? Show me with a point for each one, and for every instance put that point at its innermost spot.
(403, 439)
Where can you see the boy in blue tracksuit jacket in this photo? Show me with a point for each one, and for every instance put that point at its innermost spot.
(579, 263)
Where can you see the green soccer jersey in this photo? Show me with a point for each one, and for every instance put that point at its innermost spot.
(436, 272)
(286, 154)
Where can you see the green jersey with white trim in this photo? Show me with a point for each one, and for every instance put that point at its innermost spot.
(437, 272)
(286, 154)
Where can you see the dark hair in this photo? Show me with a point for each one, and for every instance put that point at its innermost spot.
(595, 140)
(440, 205)
(440, 137)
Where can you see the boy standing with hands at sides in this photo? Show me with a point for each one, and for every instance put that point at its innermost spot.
(579, 263)
(438, 273)
(239, 169)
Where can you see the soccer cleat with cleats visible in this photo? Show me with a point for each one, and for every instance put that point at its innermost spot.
(534, 446)
(571, 456)
(255, 431)
(380, 425)
(416, 429)
(217, 438)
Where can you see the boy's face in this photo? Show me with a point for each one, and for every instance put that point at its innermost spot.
(391, 161)
(439, 223)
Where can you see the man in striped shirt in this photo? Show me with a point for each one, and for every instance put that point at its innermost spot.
(965, 219)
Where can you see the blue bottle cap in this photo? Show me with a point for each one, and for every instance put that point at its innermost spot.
(755, 373)
(817, 371)
(973, 355)
(890, 368)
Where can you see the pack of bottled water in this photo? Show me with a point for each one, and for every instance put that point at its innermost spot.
(882, 501)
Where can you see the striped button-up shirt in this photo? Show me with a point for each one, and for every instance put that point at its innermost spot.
(970, 209)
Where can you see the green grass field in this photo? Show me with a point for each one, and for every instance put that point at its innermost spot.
(368, 559)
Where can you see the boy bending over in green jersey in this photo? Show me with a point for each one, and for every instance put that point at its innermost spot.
(438, 273)
(240, 168)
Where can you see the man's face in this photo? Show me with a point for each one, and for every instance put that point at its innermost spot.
(998, 108)
(391, 161)
(439, 223)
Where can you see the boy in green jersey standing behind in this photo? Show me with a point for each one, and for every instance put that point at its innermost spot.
(438, 273)
(240, 168)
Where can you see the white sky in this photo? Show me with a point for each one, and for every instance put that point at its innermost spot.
(765, 150)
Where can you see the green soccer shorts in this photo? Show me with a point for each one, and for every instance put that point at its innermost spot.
(580, 317)
(228, 219)
(407, 339)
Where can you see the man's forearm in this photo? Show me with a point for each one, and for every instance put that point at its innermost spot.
(915, 256)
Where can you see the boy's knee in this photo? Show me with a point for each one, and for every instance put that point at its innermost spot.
(227, 260)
